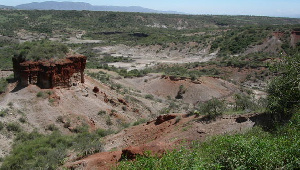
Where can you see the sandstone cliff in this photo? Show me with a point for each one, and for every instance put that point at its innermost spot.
(50, 73)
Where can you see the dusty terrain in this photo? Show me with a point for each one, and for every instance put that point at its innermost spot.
(199, 90)
(160, 135)
(144, 57)
(71, 108)
(75, 106)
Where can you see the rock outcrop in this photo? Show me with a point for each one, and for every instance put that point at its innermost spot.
(295, 38)
(51, 73)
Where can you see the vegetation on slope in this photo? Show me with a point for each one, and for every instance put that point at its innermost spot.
(6, 55)
(38, 50)
(284, 90)
(118, 22)
(256, 149)
(37, 151)
(3, 85)
(230, 34)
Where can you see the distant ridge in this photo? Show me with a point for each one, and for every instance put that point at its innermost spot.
(6, 7)
(53, 5)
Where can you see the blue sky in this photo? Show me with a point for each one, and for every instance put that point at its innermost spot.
(289, 8)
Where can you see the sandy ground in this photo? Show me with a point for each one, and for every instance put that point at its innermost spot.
(148, 56)
(196, 91)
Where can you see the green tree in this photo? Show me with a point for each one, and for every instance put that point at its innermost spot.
(243, 102)
(284, 90)
(212, 108)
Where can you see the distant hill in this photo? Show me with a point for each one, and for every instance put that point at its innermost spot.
(6, 7)
(53, 5)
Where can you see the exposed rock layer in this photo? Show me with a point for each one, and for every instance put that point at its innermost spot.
(49, 74)
(295, 37)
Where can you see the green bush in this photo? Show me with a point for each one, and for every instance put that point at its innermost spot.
(284, 90)
(39, 50)
(3, 85)
(212, 108)
(22, 119)
(109, 121)
(149, 96)
(3, 113)
(1, 126)
(164, 111)
(243, 102)
(103, 132)
(138, 122)
(15, 127)
(44, 94)
(101, 76)
(102, 112)
(51, 127)
(37, 151)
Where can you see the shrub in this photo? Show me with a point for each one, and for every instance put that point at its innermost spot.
(22, 119)
(180, 92)
(40, 94)
(37, 151)
(3, 85)
(212, 108)
(60, 119)
(138, 122)
(109, 121)
(124, 108)
(10, 104)
(87, 147)
(3, 113)
(1, 126)
(51, 127)
(178, 118)
(15, 127)
(102, 112)
(164, 111)
(67, 124)
(103, 132)
(243, 102)
(149, 96)
(51, 101)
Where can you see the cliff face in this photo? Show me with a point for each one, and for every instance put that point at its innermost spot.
(295, 37)
(49, 74)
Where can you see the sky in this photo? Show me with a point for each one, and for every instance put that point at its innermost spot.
(281, 8)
